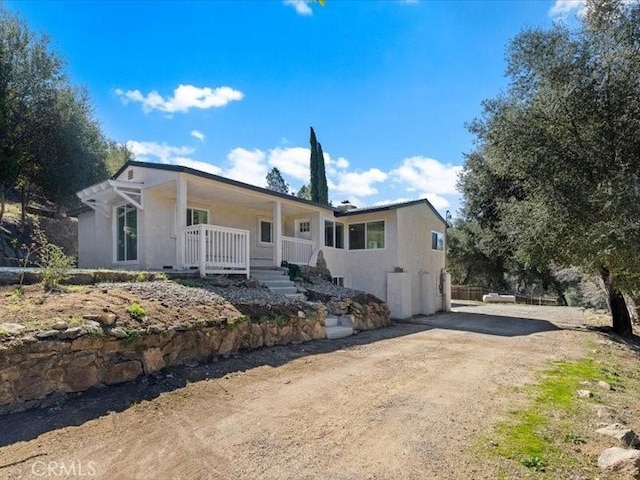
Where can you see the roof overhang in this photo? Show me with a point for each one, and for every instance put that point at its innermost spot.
(102, 196)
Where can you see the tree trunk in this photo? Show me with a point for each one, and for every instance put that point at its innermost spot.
(2, 201)
(25, 204)
(617, 306)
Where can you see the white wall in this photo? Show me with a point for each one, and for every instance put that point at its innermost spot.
(157, 247)
(416, 222)
(95, 241)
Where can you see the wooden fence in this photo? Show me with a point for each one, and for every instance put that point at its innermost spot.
(465, 292)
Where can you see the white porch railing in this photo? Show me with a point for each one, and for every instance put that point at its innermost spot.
(297, 250)
(215, 249)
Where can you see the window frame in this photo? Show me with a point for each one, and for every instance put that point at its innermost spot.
(366, 230)
(338, 280)
(439, 235)
(334, 235)
(115, 235)
(262, 243)
(200, 209)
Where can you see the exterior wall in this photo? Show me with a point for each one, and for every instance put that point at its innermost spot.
(157, 247)
(367, 269)
(415, 256)
(95, 241)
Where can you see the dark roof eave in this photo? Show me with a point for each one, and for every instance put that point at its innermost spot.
(217, 178)
(390, 207)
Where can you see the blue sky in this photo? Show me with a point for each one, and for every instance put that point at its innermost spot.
(231, 87)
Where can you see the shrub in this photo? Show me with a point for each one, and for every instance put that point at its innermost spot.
(54, 266)
(136, 311)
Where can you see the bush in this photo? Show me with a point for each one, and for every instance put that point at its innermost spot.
(54, 266)
(136, 311)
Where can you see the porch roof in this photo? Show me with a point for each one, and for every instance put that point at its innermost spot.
(101, 196)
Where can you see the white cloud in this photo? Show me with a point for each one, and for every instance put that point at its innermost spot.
(197, 165)
(198, 135)
(248, 166)
(301, 6)
(563, 8)
(293, 161)
(439, 203)
(184, 98)
(359, 184)
(145, 151)
(427, 175)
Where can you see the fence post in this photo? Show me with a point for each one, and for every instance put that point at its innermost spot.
(203, 250)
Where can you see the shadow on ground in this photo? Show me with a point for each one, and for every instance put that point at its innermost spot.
(97, 402)
(485, 323)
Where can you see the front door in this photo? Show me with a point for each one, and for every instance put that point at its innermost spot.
(303, 228)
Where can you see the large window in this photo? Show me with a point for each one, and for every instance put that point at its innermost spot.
(437, 241)
(366, 236)
(197, 216)
(265, 228)
(333, 234)
(126, 233)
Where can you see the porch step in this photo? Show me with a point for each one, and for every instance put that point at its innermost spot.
(283, 290)
(297, 296)
(337, 327)
(277, 281)
(338, 332)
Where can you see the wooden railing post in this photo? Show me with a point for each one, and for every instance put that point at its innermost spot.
(203, 250)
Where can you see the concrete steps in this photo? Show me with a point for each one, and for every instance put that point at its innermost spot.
(337, 328)
(277, 281)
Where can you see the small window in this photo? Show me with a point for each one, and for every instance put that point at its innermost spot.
(339, 281)
(266, 231)
(366, 236)
(339, 235)
(437, 241)
(304, 227)
(196, 216)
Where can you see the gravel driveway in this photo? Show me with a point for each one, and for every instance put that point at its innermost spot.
(401, 402)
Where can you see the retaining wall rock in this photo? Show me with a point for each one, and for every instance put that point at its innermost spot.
(37, 372)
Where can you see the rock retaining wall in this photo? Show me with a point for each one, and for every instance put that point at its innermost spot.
(40, 371)
(364, 311)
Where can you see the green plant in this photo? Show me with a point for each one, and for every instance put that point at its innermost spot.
(160, 276)
(133, 335)
(534, 463)
(17, 292)
(278, 319)
(574, 438)
(136, 311)
(3, 332)
(292, 268)
(142, 277)
(54, 266)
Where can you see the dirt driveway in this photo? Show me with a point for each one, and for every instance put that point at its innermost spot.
(403, 402)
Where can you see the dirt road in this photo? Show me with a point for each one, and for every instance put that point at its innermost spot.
(403, 402)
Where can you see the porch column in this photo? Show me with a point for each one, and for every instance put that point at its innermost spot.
(181, 219)
(277, 232)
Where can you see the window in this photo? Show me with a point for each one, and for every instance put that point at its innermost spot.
(339, 281)
(126, 233)
(266, 231)
(333, 234)
(304, 227)
(366, 236)
(196, 216)
(437, 241)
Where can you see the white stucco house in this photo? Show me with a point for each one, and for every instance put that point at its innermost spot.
(153, 216)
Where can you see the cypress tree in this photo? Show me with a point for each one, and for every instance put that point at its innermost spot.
(323, 189)
(318, 184)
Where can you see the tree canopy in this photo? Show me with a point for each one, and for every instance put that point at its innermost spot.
(275, 181)
(318, 183)
(555, 175)
(50, 142)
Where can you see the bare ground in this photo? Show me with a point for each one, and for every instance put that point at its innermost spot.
(402, 402)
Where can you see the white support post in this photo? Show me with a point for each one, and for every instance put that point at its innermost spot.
(202, 238)
(277, 232)
(181, 219)
(247, 255)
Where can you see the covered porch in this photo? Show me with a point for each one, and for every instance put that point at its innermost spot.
(221, 229)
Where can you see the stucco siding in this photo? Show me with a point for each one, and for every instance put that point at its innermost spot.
(367, 269)
(95, 241)
(158, 238)
(415, 256)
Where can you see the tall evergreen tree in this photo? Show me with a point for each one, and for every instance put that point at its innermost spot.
(304, 192)
(318, 183)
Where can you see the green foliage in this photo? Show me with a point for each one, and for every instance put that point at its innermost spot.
(534, 463)
(133, 336)
(17, 292)
(54, 266)
(275, 181)
(142, 277)
(554, 176)
(136, 311)
(304, 192)
(318, 183)
(293, 270)
(574, 438)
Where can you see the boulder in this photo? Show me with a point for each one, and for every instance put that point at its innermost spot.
(621, 460)
(584, 394)
(123, 372)
(152, 360)
(622, 433)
